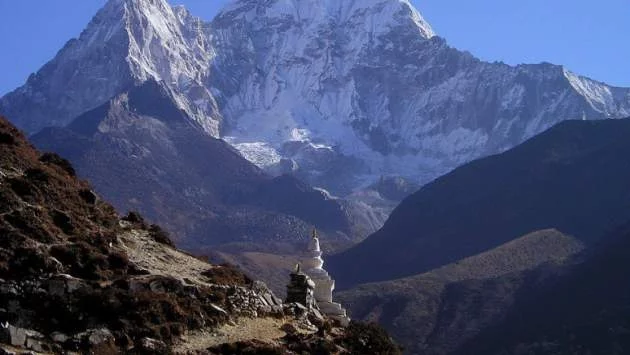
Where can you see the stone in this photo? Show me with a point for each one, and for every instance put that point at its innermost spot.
(56, 287)
(6, 352)
(36, 344)
(300, 290)
(17, 336)
(218, 309)
(157, 286)
(100, 336)
(58, 337)
(263, 300)
(270, 299)
(152, 346)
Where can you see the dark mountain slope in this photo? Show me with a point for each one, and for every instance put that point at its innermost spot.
(586, 311)
(143, 153)
(573, 177)
(438, 311)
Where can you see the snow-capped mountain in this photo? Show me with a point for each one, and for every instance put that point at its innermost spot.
(128, 42)
(339, 92)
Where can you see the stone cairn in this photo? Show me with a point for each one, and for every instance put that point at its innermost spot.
(301, 289)
(324, 284)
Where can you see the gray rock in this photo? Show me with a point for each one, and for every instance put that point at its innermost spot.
(58, 337)
(270, 299)
(157, 286)
(6, 352)
(263, 300)
(218, 309)
(100, 336)
(153, 346)
(17, 336)
(38, 345)
(56, 287)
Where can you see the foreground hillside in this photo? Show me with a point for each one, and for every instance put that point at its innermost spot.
(573, 177)
(76, 277)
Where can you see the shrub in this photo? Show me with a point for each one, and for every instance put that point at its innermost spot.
(160, 235)
(6, 138)
(227, 275)
(134, 217)
(55, 159)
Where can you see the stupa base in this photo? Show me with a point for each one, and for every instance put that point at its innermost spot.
(335, 311)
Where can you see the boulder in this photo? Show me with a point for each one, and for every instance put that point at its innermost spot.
(152, 346)
(58, 337)
(100, 336)
(17, 336)
(6, 352)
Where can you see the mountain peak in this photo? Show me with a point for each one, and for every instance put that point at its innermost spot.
(381, 15)
(126, 43)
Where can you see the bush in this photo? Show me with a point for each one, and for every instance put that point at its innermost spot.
(134, 217)
(227, 275)
(6, 138)
(160, 235)
(369, 338)
(55, 159)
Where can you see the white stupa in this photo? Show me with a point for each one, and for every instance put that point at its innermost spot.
(324, 284)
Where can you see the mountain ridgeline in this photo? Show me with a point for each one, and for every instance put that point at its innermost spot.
(573, 177)
(338, 93)
(75, 277)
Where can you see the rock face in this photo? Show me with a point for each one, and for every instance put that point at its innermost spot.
(324, 284)
(338, 92)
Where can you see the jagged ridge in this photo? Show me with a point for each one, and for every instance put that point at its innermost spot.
(338, 92)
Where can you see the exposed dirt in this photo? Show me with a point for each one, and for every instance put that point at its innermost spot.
(266, 330)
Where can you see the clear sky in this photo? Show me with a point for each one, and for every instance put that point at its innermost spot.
(589, 37)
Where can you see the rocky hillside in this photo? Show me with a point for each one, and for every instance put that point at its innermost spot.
(76, 277)
(439, 311)
(574, 178)
(143, 153)
(337, 92)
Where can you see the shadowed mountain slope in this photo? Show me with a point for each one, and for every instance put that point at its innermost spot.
(143, 153)
(573, 177)
(585, 311)
(436, 312)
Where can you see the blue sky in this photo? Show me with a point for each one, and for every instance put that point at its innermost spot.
(590, 38)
